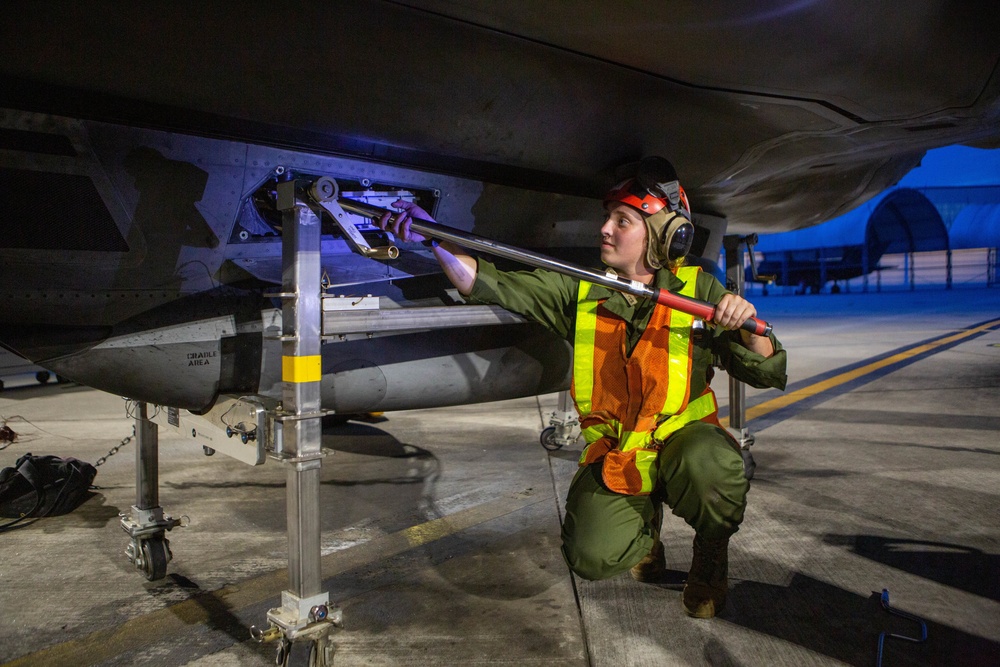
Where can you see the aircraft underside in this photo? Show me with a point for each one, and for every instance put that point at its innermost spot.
(165, 248)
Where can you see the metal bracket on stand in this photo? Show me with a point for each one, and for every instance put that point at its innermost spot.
(735, 283)
(242, 427)
(149, 549)
(324, 192)
(305, 613)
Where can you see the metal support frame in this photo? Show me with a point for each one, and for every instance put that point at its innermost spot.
(785, 262)
(305, 612)
(948, 269)
(864, 266)
(149, 549)
(735, 279)
(562, 429)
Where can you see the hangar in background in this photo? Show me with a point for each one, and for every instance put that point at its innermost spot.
(949, 204)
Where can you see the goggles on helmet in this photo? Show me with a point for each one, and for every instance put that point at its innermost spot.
(654, 188)
(665, 195)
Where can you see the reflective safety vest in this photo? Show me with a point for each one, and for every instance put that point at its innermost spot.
(630, 403)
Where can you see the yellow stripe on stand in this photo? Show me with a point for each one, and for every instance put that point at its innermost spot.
(302, 369)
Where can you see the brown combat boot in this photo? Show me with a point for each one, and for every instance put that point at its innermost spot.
(652, 567)
(708, 581)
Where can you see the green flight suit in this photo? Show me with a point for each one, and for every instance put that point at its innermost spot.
(700, 474)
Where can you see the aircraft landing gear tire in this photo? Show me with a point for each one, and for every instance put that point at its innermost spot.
(548, 439)
(42, 377)
(155, 555)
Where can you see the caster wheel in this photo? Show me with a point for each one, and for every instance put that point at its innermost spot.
(155, 555)
(749, 465)
(548, 439)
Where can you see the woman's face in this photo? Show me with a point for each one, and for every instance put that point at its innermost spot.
(623, 242)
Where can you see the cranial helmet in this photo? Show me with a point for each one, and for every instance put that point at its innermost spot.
(657, 194)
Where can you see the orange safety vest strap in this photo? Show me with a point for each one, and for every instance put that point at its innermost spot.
(598, 449)
(633, 471)
(678, 344)
(630, 473)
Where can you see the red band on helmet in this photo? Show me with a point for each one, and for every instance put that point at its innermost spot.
(628, 192)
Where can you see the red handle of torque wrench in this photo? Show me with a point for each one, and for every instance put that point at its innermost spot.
(706, 311)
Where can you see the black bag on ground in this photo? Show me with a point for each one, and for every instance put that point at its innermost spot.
(40, 486)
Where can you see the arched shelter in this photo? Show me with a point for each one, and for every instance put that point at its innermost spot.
(904, 221)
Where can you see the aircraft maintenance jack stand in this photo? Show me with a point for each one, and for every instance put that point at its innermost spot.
(734, 245)
(305, 614)
(562, 424)
(149, 550)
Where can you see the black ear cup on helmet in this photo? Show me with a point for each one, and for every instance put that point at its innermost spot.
(671, 236)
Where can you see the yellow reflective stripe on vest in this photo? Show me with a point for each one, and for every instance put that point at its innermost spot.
(647, 445)
(646, 464)
(583, 349)
(696, 410)
(679, 358)
(598, 431)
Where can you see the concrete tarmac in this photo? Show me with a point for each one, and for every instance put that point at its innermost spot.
(878, 468)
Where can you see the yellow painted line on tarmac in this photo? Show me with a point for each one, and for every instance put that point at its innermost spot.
(825, 385)
(107, 643)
